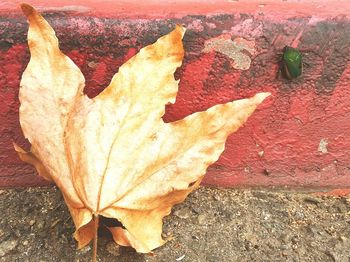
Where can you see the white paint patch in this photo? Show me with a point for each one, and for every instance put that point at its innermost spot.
(322, 147)
(233, 49)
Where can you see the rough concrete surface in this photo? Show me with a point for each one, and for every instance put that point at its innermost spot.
(211, 225)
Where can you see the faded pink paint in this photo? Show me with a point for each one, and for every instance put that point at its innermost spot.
(273, 9)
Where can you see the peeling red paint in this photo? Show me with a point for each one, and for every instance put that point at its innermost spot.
(278, 146)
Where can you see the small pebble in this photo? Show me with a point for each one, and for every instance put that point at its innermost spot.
(311, 200)
(217, 197)
(41, 224)
(342, 238)
(202, 219)
(113, 249)
(183, 213)
(180, 258)
(7, 246)
(85, 250)
(284, 247)
(299, 215)
(31, 222)
(295, 239)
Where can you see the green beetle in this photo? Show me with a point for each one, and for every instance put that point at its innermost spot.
(292, 63)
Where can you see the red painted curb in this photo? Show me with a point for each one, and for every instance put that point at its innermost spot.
(300, 137)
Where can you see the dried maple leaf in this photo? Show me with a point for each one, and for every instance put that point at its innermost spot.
(113, 155)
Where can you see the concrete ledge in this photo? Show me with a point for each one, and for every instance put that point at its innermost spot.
(300, 137)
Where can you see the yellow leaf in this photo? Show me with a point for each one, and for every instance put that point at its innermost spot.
(113, 155)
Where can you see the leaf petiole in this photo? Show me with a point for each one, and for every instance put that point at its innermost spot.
(94, 251)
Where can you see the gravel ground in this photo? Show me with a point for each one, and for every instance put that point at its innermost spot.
(211, 225)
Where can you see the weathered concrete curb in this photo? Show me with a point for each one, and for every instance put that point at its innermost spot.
(299, 137)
